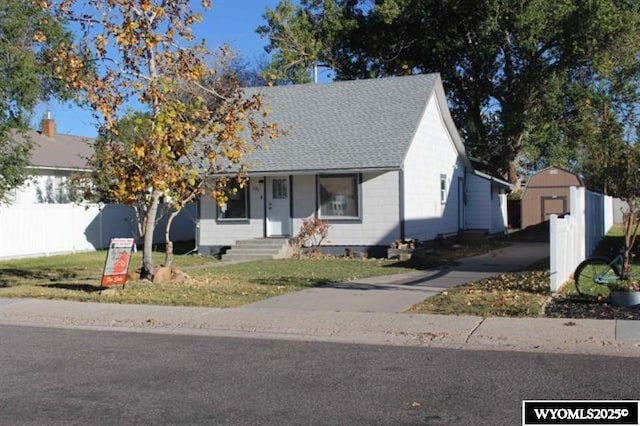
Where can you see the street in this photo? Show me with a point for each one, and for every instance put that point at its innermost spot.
(57, 376)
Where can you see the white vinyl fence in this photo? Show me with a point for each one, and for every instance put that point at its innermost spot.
(575, 236)
(30, 230)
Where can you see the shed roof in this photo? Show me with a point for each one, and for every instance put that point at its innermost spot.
(345, 125)
(545, 178)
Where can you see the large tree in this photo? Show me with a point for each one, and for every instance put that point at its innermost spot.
(506, 64)
(25, 78)
(192, 121)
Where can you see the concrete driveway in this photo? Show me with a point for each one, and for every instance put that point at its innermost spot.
(397, 293)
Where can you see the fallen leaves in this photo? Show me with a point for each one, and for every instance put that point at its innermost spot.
(510, 294)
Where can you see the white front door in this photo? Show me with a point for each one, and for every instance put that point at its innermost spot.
(278, 193)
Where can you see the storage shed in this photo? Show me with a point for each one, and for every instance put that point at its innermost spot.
(547, 193)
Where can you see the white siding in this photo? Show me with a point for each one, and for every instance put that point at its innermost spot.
(432, 153)
(478, 211)
(304, 199)
(217, 233)
(380, 223)
(38, 186)
(498, 210)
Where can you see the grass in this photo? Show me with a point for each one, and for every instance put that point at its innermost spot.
(609, 247)
(77, 277)
(520, 294)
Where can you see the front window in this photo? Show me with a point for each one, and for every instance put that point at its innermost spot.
(236, 205)
(339, 197)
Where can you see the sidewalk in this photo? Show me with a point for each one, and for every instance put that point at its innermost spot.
(597, 337)
(397, 293)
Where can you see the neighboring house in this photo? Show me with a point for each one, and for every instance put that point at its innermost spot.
(55, 158)
(547, 193)
(47, 217)
(379, 159)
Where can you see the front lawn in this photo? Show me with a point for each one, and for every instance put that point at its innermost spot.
(515, 294)
(77, 277)
(525, 293)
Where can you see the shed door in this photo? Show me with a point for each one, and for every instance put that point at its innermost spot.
(553, 205)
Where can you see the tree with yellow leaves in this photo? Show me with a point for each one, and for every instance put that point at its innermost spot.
(195, 122)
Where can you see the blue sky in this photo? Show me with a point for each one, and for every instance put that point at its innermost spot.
(229, 21)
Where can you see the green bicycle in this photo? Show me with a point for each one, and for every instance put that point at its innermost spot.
(594, 275)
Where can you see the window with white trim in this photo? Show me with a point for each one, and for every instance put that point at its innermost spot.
(339, 196)
(443, 189)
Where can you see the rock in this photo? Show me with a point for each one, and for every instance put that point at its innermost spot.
(405, 256)
(162, 275)
(133, 275)
(109, 292)
(178, 277)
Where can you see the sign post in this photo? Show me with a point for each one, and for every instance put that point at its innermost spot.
(117, 263)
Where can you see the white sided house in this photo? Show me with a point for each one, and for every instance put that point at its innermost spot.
(45, 216)
(379, 159)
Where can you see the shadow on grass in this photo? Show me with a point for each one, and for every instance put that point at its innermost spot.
(85, 288)
(610, 247)
(280, 281)
(9, 275)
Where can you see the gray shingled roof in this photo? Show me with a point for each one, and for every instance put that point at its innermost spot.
(347, 125)
(63, 151)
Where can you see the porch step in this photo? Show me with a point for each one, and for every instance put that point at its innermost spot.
(253, 252)
(262, 242)
(234, 257)
(255, 249)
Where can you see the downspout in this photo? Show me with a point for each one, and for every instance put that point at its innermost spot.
(401, 202)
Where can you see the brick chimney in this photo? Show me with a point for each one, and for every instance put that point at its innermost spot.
(48, 126)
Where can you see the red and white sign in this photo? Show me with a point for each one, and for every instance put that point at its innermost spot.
(117, 264)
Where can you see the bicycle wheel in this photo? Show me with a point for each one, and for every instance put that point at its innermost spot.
(593, 275)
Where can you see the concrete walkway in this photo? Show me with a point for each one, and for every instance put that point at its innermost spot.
(397, 293)
(605, 337)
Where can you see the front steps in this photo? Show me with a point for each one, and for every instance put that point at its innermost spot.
(257, 249)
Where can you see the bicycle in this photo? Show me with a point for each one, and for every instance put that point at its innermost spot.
(594, 275)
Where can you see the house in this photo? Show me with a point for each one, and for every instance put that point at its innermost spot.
(46, 216)
(379, 159)
(547, 193)
(55, 158)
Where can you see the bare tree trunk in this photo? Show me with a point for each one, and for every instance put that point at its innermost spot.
(512, 173)
(630, 233)
(150, 224)
(168, 255)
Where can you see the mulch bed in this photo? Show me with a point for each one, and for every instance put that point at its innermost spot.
(578, 307)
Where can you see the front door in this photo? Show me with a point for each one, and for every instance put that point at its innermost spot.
(278, 207)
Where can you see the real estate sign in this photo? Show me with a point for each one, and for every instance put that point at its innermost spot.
(117, 264)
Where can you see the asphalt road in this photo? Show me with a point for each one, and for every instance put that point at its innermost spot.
(57, 376)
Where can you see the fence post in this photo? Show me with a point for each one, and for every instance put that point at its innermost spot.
(553, 252)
